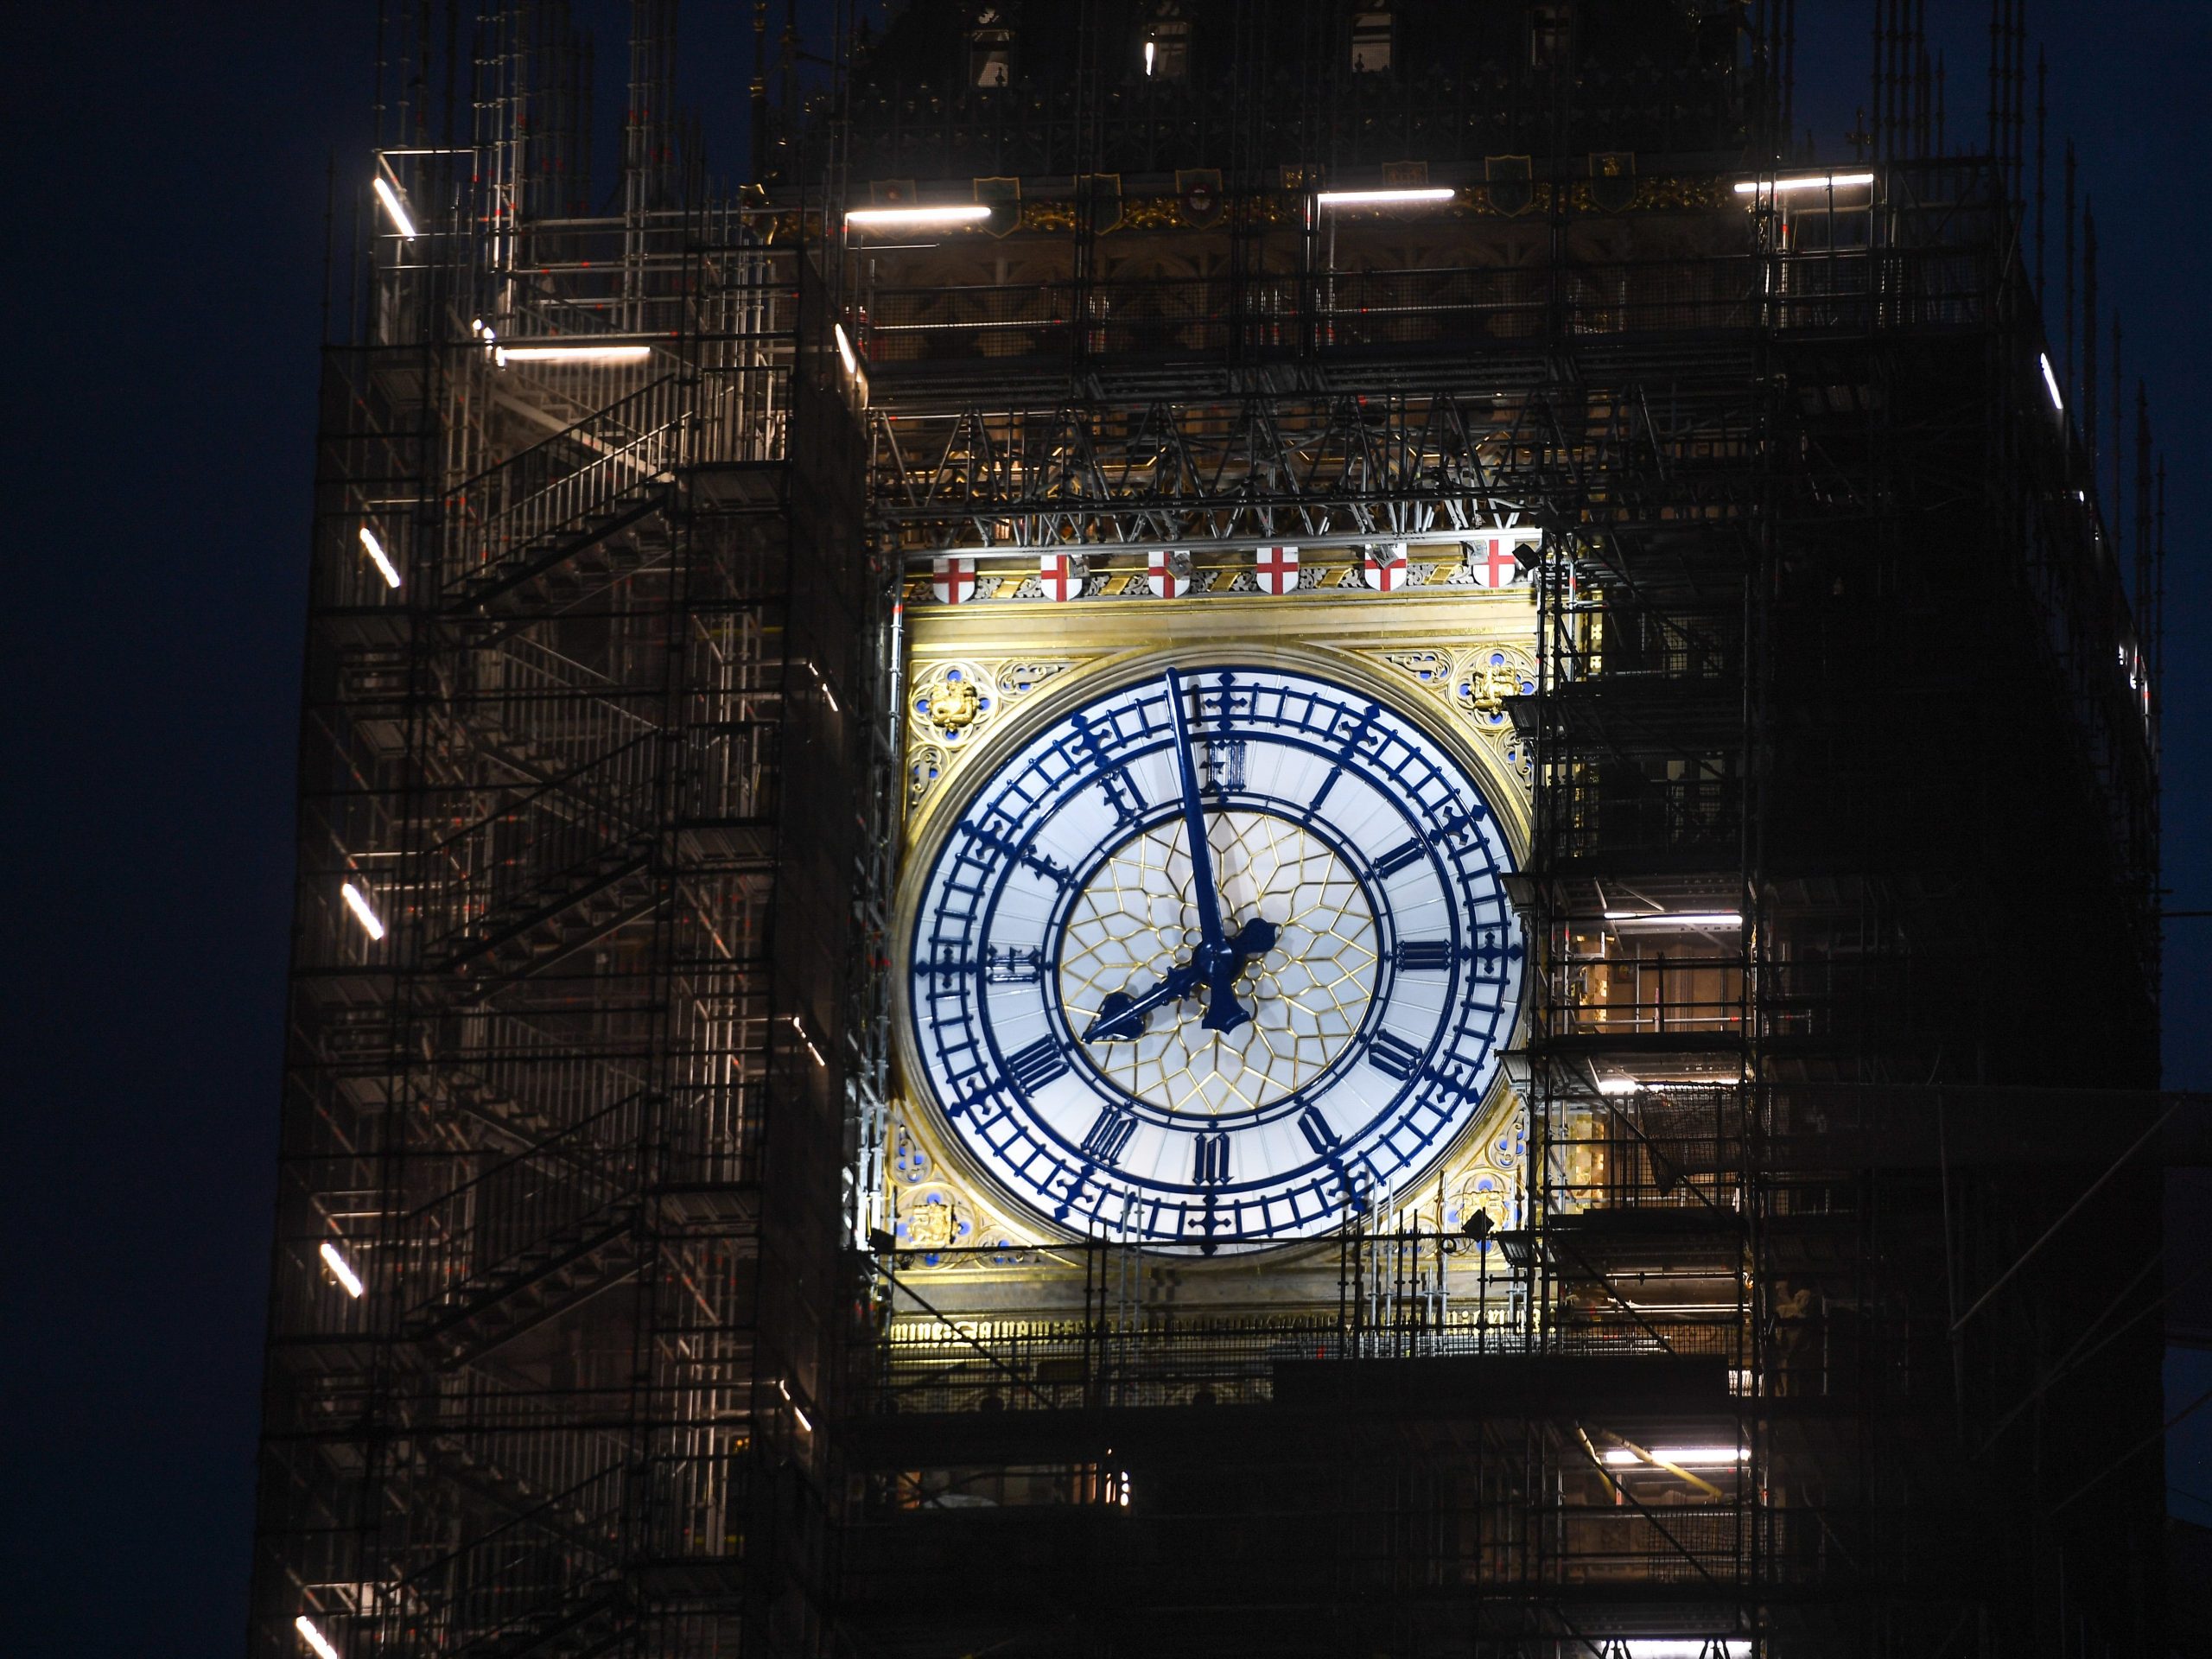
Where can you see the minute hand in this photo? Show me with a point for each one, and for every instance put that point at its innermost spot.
(1194, 821)
(1219, 961)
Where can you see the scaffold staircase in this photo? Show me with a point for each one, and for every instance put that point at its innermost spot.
(567, 497)
(553, 1273)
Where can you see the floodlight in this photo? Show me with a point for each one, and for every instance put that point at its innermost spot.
(340, 1270)
(949, 213)
(1810, 181)
(506, 354)
(394, 206)
(1382, 198)
(362, 913)
(374, 548)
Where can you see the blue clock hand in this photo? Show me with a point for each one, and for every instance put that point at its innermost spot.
(1220, 960)
(1122, 1016)
(1194, 822)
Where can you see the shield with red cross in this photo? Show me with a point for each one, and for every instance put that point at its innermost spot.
(1384, 567)
(1492, 563)
(953, 581)
(1275, 570)
(1062, 576)
(1169, 572)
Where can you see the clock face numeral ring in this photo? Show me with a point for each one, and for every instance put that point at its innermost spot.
(1214, 960)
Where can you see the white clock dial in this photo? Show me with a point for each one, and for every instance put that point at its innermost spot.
(1135, 919)
(1214, 959)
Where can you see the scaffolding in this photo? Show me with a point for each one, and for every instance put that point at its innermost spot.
(591, 1332)
(1842, 718)
(563, 1105)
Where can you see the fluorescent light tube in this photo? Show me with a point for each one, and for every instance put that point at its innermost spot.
(393, 205)
(845, 349)
(506, 354)
(949, 213)
(314, 1638)
(783, 1389)
(798, 1027)
(1682, 1457)
(1381, 198)
(1688, 919)
(2050, 381)
(374, 548)
(1816, 182)
(340, 1270)
(362, 913)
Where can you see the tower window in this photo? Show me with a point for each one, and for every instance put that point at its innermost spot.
(1167, 46)
(1551, 33)
(990, 50)
(1371, 43)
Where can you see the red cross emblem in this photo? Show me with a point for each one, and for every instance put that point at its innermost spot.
(1275, 568)
(1384, 567)
(1493, 564)
(1062, 576)
(1170, 573)
(953, 581)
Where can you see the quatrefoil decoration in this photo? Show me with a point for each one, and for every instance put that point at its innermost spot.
(1486, 678)
(949, 701)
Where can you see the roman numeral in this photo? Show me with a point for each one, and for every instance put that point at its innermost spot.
(1036, 1065)
(1392, 1055)
(1108, 1135)
(1005, 965)
(1210, 1165)
(1425, 955)
(1398, 857)
(1491, 954)
(1318, 1135)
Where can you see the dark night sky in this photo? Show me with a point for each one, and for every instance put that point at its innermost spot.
(163, 211)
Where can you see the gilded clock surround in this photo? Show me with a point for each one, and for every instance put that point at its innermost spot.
(983, 677)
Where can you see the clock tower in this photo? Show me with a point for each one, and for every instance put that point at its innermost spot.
(1268, 827)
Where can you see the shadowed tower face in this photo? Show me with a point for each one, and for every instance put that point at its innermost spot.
(1240, 836)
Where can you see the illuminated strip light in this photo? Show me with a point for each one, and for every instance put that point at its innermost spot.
(950, 213)
(1676, 1647)
(1382, 198)
(845, 349)
(801, 1029)
(393, 205)
(341, 1270)
(1682, 1457)
(314, 1638)
(374, 548)
(362, 913)
(784, 1390)
(1814, 181)
(2050, 381)
(1688, 919)
(505, 355)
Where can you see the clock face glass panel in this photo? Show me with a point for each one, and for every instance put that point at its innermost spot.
(1232, 1050)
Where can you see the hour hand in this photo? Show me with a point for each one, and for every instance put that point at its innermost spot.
(1121, 1016)
(1223, 1011)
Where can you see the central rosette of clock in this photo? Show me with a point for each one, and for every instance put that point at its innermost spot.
(1216, 1014)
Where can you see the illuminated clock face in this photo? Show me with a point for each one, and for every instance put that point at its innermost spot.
(1215, 959)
